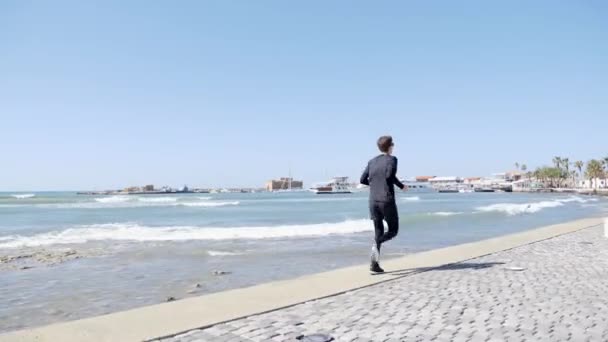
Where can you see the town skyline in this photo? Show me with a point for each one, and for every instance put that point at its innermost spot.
(563, 168)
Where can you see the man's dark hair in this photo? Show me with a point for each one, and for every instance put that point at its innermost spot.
(384, 143)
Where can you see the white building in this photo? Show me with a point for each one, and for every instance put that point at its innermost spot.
(445, 182)
(596, 183)
(526, 185)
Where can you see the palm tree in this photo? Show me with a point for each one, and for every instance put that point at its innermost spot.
(537, 175)
(594, 171)
(573, 175)
(566, 166)
(605, 162)
(516, 166)
(557, 161)
(523, 169)
(579, 165)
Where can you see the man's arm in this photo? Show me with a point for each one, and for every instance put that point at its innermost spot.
(393, 174)
(365, 176)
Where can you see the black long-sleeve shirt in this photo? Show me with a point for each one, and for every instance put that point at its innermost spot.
(381, 176)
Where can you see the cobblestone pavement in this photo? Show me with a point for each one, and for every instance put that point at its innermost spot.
(560, 295)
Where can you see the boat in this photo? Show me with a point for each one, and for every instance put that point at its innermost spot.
(484, 190)
(465, 191)
(448, 190)
(338, 185)
(465, 188)
(417, 187)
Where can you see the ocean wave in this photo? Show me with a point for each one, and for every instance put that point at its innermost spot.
(133, 232)
(530, 207)
(13, 205)
(578, 200)
(209, 204)
(157, 199)
(313, 199)
(23, 196)
(113, 199)
(445, 213)
(130, 198)
(134, 202)
(411, 198)
(205, 198)
(221, 253)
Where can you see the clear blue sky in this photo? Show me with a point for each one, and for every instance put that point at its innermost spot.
(111, 93)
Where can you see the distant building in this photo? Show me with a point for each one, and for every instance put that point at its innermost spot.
(149, 187)
(445, 180)
(596, 183)
(526, 185)
(472, 180)
(513, 176)
(424, 178)
(284, 183)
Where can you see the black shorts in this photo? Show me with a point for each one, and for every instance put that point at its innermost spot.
(386, 211)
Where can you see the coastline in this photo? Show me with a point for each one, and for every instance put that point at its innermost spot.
(172, 318)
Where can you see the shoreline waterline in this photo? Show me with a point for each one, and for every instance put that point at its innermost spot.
(153, 321)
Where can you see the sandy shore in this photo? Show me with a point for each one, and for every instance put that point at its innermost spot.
(171, 318)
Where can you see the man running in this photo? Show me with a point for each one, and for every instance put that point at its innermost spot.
(381, 176)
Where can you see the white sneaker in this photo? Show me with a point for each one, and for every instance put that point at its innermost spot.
(375, 253)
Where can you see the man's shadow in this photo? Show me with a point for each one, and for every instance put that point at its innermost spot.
(447, 267)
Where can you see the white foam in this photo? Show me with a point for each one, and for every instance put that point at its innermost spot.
(157, 199)
(113, 199)
(23, 196)
(514, 209)
(209, 204)
(445, 213)
(221, 253)
(206, 198)
(133, 202)
(412, 198)
(578, 199)
(316, 198)
(531, 207)
(137, 233)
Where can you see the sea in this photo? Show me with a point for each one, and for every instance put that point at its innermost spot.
(65, 256)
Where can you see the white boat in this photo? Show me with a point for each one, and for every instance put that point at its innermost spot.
(465, 189)
(418, 187)
(338, 185)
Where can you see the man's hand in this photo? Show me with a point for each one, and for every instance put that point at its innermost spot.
(405, 188)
